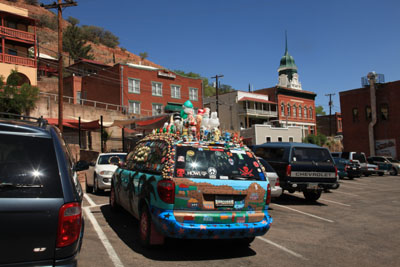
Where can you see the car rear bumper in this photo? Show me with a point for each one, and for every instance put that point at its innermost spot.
(276, 191)
(167, 225)
(104, 182)
(300, 186)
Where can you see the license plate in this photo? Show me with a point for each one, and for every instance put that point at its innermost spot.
(312, 186)
(224, 201)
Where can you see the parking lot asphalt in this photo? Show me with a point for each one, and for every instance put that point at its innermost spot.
(355, 225)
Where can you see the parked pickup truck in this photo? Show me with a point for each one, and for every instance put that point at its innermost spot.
(301, 167)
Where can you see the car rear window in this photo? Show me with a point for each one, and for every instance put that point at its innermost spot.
(266, 165)
(216, 163)
(311, 154)
(360, 157)
(271, 153)
(111, 159)
(28, 168)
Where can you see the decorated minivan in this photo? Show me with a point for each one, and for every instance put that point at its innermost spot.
(194, 188)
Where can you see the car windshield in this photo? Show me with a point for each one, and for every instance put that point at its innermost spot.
(28, 168)
(393, 160)
(216, 163)
(111, 159)
(311, 154)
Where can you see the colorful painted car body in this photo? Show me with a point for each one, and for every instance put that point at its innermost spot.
(193, 190)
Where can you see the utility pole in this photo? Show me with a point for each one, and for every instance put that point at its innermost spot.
(216, 89)
(330, 112)
(60, 5)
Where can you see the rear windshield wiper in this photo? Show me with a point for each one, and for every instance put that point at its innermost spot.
(13, 186)
(240, 177)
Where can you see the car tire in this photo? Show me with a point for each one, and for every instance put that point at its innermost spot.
(144, 227)
(114, 206)
(393, 172)
(96, 189)
(312, 195)
(89, 189)
(381, 174)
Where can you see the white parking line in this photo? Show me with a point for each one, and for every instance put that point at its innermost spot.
(335, 202)
(102, 236)
(305, 213)
(340, 192)
(281, 247)
(91, 202)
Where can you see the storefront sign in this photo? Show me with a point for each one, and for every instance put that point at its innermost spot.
(386, 147)
(166, 75)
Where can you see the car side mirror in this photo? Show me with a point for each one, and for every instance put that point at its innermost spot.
(81, 165)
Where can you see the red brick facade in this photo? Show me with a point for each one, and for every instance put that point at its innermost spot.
(355, 106)
(106, 86)
(295, 99)
(336, 124)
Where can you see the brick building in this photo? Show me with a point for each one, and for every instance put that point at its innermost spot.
(142, 90)
(335, 127)
(18, 41)
(357, 115)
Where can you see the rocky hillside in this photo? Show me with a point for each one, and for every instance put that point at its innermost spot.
(48, 39)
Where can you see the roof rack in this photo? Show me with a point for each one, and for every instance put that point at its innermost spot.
(12, 116)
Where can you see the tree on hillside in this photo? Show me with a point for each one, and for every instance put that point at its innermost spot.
(17, 99)
(74, 43)
(318, 139)
(143, 55)
(98, 35)
(319, 110)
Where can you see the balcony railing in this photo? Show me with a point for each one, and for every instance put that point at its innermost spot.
(24, 61)
(257, 112)
(25, 36)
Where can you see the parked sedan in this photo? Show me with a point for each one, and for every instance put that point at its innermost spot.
(276, 190)
(99, 177)
(386, 163)
(347, 168)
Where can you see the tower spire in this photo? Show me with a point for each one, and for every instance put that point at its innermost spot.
(286, 50)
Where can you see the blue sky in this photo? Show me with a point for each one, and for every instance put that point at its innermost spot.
(334, 43)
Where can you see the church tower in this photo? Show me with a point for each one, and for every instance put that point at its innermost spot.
(288, 76)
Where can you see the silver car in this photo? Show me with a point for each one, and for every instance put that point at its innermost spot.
(276, 190)
(99, 175)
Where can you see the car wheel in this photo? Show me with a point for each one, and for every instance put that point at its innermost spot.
(312, 195)
(144, 227)
(113, 200)
(89, 189)
(381, 174)
(96, 189)
(393, 172)
(366, 174)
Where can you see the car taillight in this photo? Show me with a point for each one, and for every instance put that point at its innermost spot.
(277, 182)
(336, 174)
(268, 200)
(166, 191)
(69, 224)
(289, 170)
(346, 167)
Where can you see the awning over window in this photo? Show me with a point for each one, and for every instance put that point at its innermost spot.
(173, 107)
(256, 100)
(86, 126)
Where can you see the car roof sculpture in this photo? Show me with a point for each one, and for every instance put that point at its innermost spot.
(187, 129)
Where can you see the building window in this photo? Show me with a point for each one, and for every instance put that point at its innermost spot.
(78, 97)
(193, 94)
(305, 112)
(384, 110)
(175, 91)
(133, 86)
(294, 111)
(156, 88)
(279, 138)
(288, 110)
(157, 109)
(355, 114)
(368, 113)
(268, 139)
(134, 107)
(300, 111)
(290, 139)
(12, 24)
(282, 109)
(310, 113)
(12, 52)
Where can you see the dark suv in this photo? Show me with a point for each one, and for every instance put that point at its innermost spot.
(41, 222)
